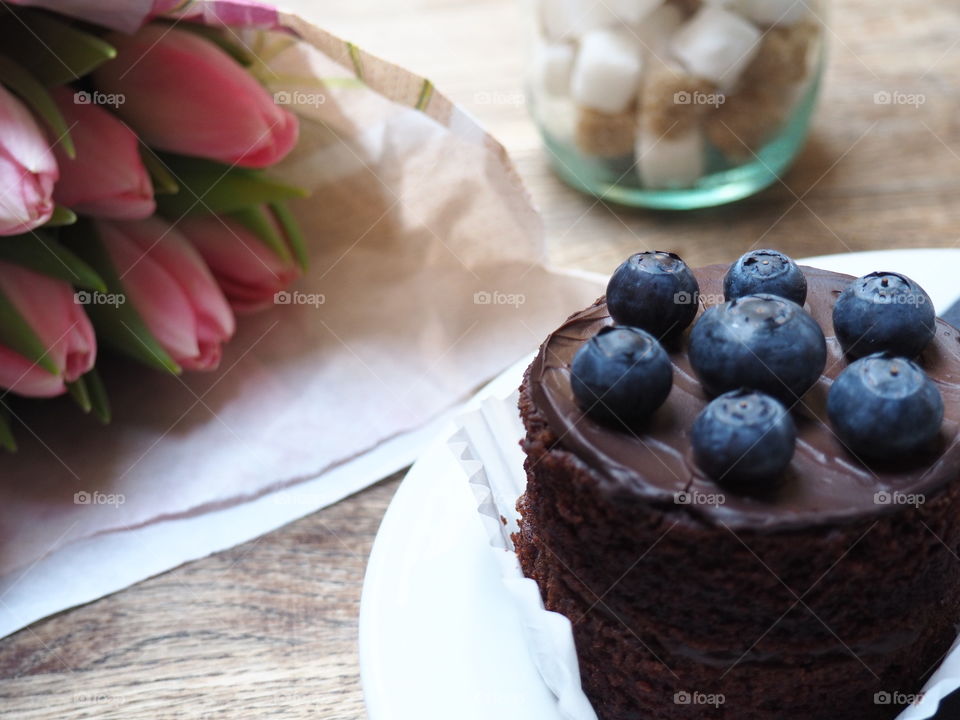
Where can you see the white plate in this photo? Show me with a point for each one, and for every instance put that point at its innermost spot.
(439, 636)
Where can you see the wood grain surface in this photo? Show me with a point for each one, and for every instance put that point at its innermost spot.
(269, 629)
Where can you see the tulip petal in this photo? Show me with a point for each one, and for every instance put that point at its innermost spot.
(50, 308)
(172, 288)
(249, 273)
(20, 376)
(107, 178)
(185, 95)
(22, 138)
(36, 97)
(28, 169)
(21, 204)
(169, 248)
(152, 291)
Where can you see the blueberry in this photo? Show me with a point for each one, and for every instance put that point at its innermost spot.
(762, 342)
(621, 375)
(883, 407)
(884, 312)
(744, 439)
(765, 271)
(655, 291)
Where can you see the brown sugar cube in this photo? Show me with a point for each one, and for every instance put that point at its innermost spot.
(753, 114)
(748, 119)
(605, 135)
(784, 55)
(673, 102)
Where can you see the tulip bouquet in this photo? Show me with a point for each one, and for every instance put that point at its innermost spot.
(134, 207)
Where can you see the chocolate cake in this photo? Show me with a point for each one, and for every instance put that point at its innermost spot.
(831, 597)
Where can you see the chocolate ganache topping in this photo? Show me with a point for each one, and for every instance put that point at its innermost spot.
(824, 484)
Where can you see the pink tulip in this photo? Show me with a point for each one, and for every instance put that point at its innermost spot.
(172, 289)
(28, 169)
(107, 178)
(184, 94)
(250, 274)
(48, 306)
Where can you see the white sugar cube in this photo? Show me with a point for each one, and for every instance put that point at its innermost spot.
(655, 30)
(670, 163)
(606, 74)
(716, 45)
(552, 67)
(774, 12)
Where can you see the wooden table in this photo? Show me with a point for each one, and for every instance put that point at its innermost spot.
(269, 629)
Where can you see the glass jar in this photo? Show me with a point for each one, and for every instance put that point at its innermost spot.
(674, 104)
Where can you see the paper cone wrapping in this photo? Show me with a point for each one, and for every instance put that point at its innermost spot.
(426, 278)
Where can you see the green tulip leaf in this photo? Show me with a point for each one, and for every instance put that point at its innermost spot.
(256, 220)
(117, 322)
(17, 79)
(291, 230)
(16, 334)
(61, 216)
(207, 186)
(163, 182)
(7, 441)
(59, 52)
(80, 394)
(99, 400)
(42, 253)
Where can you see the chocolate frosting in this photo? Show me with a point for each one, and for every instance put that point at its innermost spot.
(824, 484)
